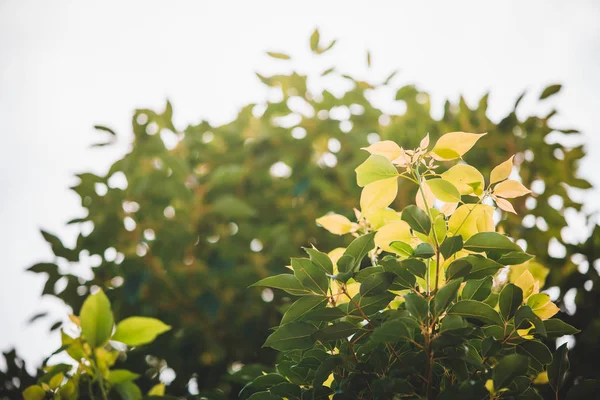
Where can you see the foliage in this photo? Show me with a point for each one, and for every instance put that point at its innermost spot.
(170, 225)
(89, 373)
(420, 304)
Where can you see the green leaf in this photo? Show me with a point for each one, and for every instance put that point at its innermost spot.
(314, 41)
(556, 328)
(260, 383)
(286, 282)
(417, 306)
(303, 306)
(129, 390)
(34, 392)
(310, 276)
(536, 351)
(508, 368)
(375, 168)
(96, 319)
(481, 266)
(417, 219)
(287, 390)
(404, 279)
(295, 335)
(514, 258)
(402, 248)
(390, 332)
(451, 245)
(511, 298)
(444, 190)
(105, 129)
(376, 283)
(339, 330)
(478, 289)
(415, 267)
(321, 260)
(369, 305)
(549, 91)
(136, 331)
(355, 252)
(445, 296)
(524, 316)
(558, 368)
(263, 396)
(121, 375)
(490, 242)
(424, 250)
(280, 56)
(324, 314)
(458, 269)
(325, 369)
(475, 309)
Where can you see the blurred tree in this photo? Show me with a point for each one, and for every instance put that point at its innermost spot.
(190, 218)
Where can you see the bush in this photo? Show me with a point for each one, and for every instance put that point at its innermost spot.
(420, 304)
(175, 239)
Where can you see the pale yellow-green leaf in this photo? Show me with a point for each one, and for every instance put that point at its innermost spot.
(335, 255)
(375, 168)
(424, 142)
(386, 148)
(454, 145)
(335, 223)
(448, 208)
(542, 306)
(157, 390)
(34, 392)
(444, 190)
(505, 205)
(378, 195)
(382, 217)
(537, 270)
(429, 197)
(466, 178)
(510, 189)
(470, 219)
(136, 331)
(397, 230)
(96, 319)
(502, 171)
(526, 282)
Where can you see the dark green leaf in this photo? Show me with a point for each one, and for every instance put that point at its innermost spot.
(339, 330)
(310, 276)
(325, 369)
(508, 368)
(128, 390)
(376, 283)
(549, 91)
(525, 316)
(324, 314)
(369, 305)
(402, 248)
(445, 296)
(514, 258)
(417, 219)
(321, 260)
(458, 269)
(417, 306)
(475, 309)
(555, 328)
(285, 282)
(355, 252)
(287, 390)
(390, 332)
(558, 368)
(303, 306)
(490, 242)
(451, 245)
(295, 335)
(536, 351)
(481, 266)
(478, 289)
(588, 389)
(511, 298)
(424, 250)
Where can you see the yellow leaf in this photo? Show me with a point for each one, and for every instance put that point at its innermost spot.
(505, 205)
(466, 178)
(398, 230)
(542, 306)
(378, 195)
(429, 196)
(502, 171)
(157, 390)
(385, 148)
(382, 217)
(34, 392)
(448, 208)
(454, 145)
(328, 381)
(526, 283)
(510, 189)
(470, 219)
(541, 378)
(537, 270)
(335, 223)
(489, 385)
(335, 255)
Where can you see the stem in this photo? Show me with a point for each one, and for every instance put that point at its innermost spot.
(99, 375)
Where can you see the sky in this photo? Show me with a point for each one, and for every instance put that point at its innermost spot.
(68, 65)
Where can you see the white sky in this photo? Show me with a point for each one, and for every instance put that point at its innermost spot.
(67, 65)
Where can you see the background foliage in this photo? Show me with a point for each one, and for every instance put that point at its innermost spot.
(176, 240)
